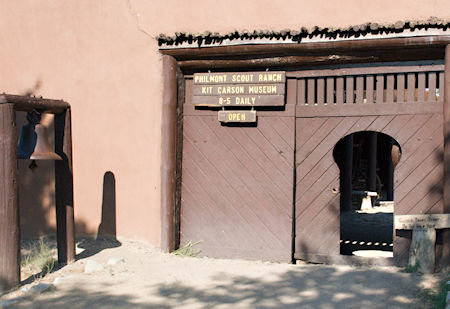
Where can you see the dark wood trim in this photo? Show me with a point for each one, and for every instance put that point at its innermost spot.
(382, 69)
(168, 153)
(299, 48)
(9, 201)
(369, 109)
(348, 260)
(27, 104)
(446, 187)
(65, 224)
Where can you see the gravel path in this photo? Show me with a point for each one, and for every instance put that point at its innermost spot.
(140, 276)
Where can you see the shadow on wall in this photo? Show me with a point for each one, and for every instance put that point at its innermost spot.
(106, 235)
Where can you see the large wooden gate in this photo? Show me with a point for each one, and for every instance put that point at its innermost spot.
(403, 102)
(271, 190)
(237, 184)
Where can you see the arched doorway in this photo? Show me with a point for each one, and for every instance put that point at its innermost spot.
(366, 162)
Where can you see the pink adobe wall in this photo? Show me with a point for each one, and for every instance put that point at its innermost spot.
(102, 57)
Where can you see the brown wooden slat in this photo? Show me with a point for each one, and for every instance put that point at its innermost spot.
(320, 91)
(380, 123)
(400, 88)
(308, 126)
(339, 90)
(421, 87)
(424, 137)
(390, 89)
(301, 92)
(368, 109)
(369, 89)
(441, 86)
(360, 89)
(349, 90)
(366, 70)
(291, 92)
(330, 90)
(379, 89)
(396, 125)
(311, 91)
(411, 87)
(431, 87)
(420, 187)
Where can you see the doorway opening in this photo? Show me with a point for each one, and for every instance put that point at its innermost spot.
(366, 162)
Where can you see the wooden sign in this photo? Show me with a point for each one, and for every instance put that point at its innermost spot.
(237, 116)
(239, 89)
(431, 221)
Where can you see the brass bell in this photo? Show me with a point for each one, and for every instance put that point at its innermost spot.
(33, 141)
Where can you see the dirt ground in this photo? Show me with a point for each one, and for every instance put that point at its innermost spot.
(141, 276)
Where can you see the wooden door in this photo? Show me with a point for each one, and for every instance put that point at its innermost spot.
(237, 184)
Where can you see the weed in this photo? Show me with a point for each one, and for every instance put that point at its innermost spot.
(188, 250)
(39, 258)
(436, 298)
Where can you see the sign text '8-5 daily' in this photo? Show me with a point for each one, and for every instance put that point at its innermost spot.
(239, 89)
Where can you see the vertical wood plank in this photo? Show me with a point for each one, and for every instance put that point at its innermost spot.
(380, 89)
(339, 90)
(301, 91)
(346, 191)
(411, 87)
(360, 89)
(311, 91)
(330, 90)
(372, 164)
(390, 88)
(401, 87)
(65, 225)
(421, 87)
(9, 204)
(431, 87)
(441, 86)
(168, 153)
(446, 189)
(349, 89)
(369, 89)
(320, 91)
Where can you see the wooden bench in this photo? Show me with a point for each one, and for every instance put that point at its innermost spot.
(421, 252)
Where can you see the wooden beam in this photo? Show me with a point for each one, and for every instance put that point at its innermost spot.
(168, 153)
(446, 187)
(343, 110)
(300, 48)
(27, 104)
(65, 225)
(9, 204)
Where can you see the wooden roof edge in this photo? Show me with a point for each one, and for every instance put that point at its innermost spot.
(30, 103)
(296, 35)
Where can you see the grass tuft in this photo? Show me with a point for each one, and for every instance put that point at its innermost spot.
(188, 250)
(39, 259)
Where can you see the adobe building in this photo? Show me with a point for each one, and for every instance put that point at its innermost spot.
(333, 118)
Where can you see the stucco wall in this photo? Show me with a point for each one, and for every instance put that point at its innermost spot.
(102, 58)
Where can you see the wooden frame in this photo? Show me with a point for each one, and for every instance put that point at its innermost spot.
(9, 207)
(291, 56)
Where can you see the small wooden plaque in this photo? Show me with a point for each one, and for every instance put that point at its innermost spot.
(431, 221)
(237, 116)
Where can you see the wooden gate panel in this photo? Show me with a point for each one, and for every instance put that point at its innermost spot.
(417, 177)
(238, 185)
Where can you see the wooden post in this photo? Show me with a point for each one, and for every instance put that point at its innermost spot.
(372, 163)
(168, 153)
(9, 201)
(347, 174)
(390, 175)
(446, 187)
(65, 225)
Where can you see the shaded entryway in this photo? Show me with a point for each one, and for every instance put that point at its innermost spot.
(366, 163)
